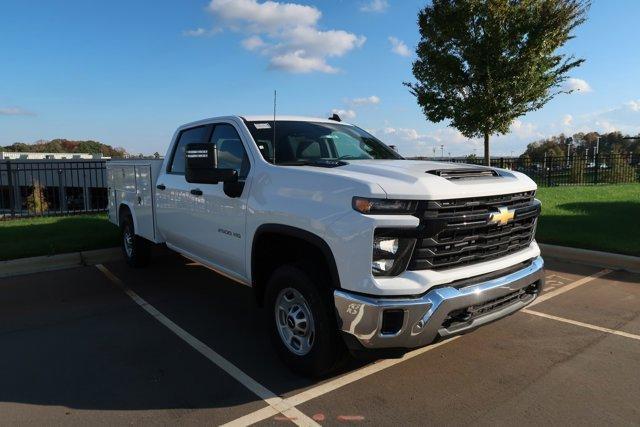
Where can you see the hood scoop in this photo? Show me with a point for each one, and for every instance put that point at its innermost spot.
(465, 173)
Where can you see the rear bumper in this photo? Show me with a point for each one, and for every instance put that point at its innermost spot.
(441, 312)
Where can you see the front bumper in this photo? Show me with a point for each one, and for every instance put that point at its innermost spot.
(441, 312)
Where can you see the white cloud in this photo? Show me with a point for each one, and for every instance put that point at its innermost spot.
(375, 6)
(344, 114)
(606, 126)
(15, 111)
(399, 47)
(411, 142)
(253, 43)
(567, 119)
(270, 16)
(320, 43)
(287, 33)
(201, 32)
(524, 130)
(624, 118)
(633, 105)
(577, 85)
(297, 62)
(369, 100)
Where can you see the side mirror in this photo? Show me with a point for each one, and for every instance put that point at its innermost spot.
(201, 161)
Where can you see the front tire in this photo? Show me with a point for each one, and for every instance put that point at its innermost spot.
(136, 249)
(302, 325)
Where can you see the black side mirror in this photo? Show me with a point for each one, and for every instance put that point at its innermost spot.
(201, 161)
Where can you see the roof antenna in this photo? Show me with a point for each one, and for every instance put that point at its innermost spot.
(275, 95)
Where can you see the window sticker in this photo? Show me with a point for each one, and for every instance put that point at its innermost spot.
(262, 125)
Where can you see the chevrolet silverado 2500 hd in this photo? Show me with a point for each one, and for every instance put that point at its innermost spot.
(346, 244)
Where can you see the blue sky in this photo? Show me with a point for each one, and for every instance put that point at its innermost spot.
(127, 73)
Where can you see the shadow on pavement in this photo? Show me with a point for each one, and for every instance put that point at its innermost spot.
(72, 339)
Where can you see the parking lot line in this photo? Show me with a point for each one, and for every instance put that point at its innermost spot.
(351, 377)
(570, 286)
(335, 384)
(584, 325)
(276, 403)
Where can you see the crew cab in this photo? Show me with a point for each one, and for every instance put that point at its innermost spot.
(345, 244)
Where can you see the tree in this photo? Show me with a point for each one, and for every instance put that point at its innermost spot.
(36, 200)
(483, 63)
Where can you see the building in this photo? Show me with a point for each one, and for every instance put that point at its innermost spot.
(6, 155)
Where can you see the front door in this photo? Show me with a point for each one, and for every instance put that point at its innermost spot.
(174, 201)
(220, 218)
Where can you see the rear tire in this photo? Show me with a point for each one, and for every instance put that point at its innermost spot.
(301, 323)
(136, 249)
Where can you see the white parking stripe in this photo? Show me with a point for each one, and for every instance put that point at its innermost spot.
(570, 286)
(335, 384)
(584, 325)
(276, 403)
(329, 386)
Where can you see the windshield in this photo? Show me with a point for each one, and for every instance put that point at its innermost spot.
(304, 142)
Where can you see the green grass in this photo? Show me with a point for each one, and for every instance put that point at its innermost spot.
(29, 237)
(604, 218)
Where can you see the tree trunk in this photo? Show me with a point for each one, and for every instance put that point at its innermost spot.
(487, 157)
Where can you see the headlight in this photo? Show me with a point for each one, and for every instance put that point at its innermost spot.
(384, 206)
(391, 255)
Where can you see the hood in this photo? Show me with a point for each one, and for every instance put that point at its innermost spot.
(419, 179)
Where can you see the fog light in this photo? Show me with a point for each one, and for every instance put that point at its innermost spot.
(382, 265)
(390, 254)
(385, 244)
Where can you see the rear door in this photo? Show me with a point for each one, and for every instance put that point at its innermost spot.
(174, 200)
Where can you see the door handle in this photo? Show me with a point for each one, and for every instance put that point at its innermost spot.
(161, 186)
(196, 192)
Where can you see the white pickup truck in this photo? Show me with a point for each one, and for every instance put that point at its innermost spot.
(346, 244)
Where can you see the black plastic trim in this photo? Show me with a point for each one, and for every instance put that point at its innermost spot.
(301, 234)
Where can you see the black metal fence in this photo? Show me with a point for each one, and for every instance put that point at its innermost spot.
(615, 168)
(52, 187)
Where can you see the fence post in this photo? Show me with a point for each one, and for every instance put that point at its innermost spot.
(12, 197)
(61, 190)
(597, 164)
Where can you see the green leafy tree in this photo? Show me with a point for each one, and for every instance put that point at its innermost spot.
(483, 63)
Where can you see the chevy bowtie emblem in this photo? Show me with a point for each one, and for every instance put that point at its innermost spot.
(502, 217)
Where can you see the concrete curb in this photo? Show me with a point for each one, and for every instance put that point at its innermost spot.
(596, 258)
(39, 264)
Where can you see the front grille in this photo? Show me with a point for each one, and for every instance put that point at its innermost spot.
(459, 231)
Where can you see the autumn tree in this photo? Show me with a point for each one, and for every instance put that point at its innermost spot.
(483, 63)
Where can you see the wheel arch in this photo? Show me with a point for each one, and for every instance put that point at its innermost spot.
(126, 206)
(294, 238)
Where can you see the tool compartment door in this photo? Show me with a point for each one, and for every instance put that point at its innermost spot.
(144, 209)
